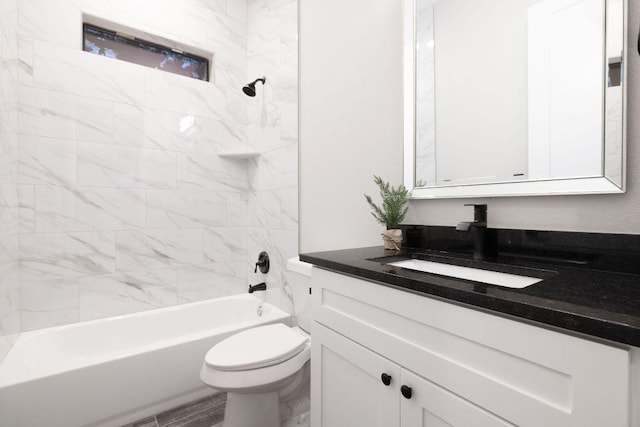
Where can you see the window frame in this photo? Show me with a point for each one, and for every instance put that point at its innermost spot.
(134, 43)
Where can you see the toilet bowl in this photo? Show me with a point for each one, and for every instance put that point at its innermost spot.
(261, 366)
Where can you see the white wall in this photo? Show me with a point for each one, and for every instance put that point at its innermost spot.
(9, 289)
(350, 117)
(345, 137)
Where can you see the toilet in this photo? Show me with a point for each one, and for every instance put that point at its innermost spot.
(260, 367)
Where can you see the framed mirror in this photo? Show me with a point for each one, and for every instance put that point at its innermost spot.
(514, 97)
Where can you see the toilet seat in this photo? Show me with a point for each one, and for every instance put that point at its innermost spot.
(250, 365)
(256, 348)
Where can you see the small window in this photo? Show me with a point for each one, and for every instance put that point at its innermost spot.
(116, 45)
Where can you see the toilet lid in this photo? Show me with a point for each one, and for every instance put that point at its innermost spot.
(256, 348)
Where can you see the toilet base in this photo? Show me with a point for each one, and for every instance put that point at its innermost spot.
(252, 410)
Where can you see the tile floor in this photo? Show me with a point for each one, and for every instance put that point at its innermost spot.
(205, 412)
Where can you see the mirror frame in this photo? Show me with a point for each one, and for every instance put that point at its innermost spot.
(564, 186)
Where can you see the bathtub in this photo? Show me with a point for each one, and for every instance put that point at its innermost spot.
(113, 371)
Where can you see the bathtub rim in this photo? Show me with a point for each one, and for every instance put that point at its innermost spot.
(8, 378)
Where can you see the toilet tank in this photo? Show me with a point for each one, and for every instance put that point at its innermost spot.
(299, 279)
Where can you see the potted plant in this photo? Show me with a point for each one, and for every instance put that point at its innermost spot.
(391, 213)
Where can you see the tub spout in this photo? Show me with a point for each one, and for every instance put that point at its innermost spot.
(259, 287)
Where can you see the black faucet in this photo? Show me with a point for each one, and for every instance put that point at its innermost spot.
(481, 241)
(259, 287)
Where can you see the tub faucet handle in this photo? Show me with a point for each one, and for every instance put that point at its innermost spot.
(263, 263)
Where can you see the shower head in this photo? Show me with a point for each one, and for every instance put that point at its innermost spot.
(250, 89)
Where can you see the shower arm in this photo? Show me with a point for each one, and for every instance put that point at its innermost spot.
(261, 79)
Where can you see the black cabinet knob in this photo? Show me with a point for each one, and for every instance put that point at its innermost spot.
(406, 391)
(386, 379)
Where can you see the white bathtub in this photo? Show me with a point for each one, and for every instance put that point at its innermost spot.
(109, 372)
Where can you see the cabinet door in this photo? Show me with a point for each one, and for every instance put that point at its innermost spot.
(347, 389)
(432, 406)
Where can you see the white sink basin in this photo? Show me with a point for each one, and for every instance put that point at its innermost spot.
(467, 273)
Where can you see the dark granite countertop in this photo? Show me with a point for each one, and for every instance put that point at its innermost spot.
(592, 301)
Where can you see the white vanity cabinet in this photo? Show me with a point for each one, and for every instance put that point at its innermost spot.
(464, 367)
(353, 393)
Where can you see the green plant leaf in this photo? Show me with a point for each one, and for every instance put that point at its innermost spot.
(394, 200)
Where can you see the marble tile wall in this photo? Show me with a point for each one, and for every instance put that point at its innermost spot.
(273, 131)
(124, 201)
(9, 238)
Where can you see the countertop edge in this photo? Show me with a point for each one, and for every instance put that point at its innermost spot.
(618, 333)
